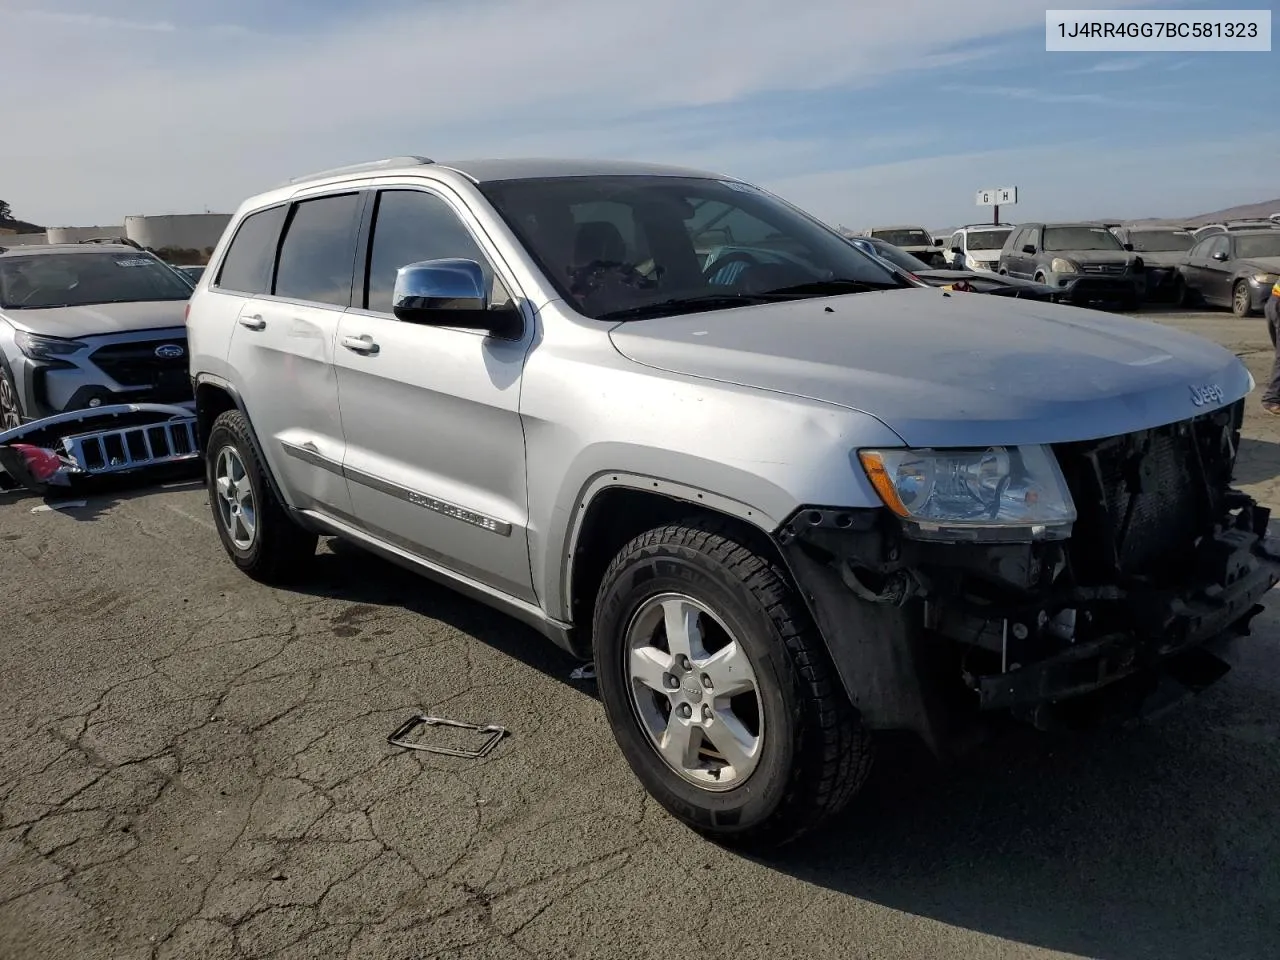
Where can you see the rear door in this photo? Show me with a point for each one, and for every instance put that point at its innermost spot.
(435, 454)
(282, 351)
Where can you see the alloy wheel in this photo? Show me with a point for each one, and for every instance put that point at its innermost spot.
(10, 418)
(237, 508)
(694, 692)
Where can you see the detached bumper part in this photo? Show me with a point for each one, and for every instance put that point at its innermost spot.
(104, 440)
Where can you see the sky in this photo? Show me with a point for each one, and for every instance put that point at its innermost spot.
(868, 112)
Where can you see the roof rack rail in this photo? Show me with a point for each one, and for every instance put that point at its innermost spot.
(971, 226)
(370, 165)
(121, 240)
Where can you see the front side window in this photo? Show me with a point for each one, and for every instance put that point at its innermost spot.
(1080, 238)
(410, 226)
(47, 280)
(252, 254)
(1220, 244)
(646, 246)
(317, 257)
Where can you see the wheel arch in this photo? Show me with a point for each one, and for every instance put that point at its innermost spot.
(617, 507)
(214, 397)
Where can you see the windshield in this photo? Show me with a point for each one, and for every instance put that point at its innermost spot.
(1160, 241)
(899, 258)
(1080, 238)
(645, 245)
(1251, 248)
(988, 239)
(78, 279)
(904, 238)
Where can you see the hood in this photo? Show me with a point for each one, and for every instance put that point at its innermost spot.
(1120, 257)
(100, 318)
(952, 369)
(1264, 264)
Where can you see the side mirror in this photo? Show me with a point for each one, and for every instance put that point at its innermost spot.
(1220, 256)
(1128, 246)
(450, 293)
(1028, 248)
(957, 250)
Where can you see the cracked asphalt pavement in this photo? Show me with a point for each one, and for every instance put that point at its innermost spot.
(196, 766)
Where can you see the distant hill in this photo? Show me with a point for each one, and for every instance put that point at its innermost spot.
(21, 226)
(1247, 211)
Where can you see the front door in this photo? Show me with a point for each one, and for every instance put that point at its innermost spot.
(1217, 272)
(282, 350)
(435, 456)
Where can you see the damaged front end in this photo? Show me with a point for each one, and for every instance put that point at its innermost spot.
(1163, 560)
(58, 451)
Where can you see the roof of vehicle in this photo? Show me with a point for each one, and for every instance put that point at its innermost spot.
(38, 249)
(513, 168)
(900, 226)
(1152, 228)
(532, 168)
(1260, 232)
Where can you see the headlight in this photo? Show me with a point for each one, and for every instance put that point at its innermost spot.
(1058, 265)
(45, 348)
(1265, 278)
(974, 494)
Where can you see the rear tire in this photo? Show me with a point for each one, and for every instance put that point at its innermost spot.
(1241, 302)
(806, 753)
(255, 529)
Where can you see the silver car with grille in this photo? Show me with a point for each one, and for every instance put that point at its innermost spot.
(91, 325)
(785, 497)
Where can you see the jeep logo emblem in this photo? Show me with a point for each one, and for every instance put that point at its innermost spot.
(169, 351)
(1209, 393)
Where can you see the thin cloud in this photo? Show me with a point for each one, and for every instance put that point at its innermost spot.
(1119, 65)
(97, 21)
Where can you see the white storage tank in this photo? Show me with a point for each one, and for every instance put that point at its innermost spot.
(188, 231)
(76, 234)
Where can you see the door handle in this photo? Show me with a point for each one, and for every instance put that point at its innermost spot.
(363, 344)
(253, 323)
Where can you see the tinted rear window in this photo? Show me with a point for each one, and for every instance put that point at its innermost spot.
(317, 258)
(247, 265)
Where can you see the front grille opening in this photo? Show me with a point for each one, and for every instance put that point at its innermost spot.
(136, 444)
(159, 438)
(182, 441)
(113, 449)
(95, 458)
(1149, 499)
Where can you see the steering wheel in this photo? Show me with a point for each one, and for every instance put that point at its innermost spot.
(715, 267)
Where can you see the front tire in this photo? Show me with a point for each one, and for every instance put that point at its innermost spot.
(1241, 302)
(255, 529)
(719, 690)
(10, 406)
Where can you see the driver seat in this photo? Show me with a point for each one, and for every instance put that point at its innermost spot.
(598, 240)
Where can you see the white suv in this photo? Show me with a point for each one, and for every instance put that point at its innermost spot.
(977, 247)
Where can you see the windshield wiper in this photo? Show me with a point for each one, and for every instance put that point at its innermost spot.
(677, 305)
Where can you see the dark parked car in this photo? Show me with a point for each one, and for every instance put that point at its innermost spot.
(1084, 260)
(1161, 249)
(969, 281)
(1235, 270)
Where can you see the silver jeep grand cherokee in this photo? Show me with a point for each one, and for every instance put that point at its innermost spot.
(783, 496)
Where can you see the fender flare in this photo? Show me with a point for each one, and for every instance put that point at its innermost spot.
(605, 480)
(238, 401)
